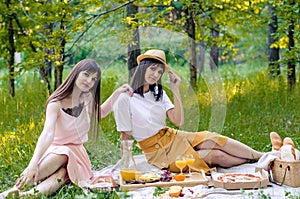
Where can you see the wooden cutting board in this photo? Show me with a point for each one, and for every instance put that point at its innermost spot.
(195, 179)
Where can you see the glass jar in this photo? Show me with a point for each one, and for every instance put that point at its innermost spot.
(127, 163)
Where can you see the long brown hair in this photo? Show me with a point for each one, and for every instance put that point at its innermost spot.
(66, 89)
(138, 79)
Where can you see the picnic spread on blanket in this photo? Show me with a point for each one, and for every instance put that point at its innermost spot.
(248, 180)
(276, 170)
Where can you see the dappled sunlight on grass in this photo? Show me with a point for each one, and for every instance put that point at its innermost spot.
(258, 106)
(16, 150)
(20, 125)
(255, 106)
(12, 143)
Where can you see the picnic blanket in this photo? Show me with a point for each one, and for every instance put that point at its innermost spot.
(204, 191)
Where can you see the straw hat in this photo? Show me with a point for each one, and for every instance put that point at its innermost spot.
(155, 54)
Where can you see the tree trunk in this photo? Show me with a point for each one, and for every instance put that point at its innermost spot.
(291, 65)
(133, 48)
(191, 30)
(201, 57)
(274, 67)
(193, 61)
(214, 50)
(12, 50)
(59, 68)
(45, 71)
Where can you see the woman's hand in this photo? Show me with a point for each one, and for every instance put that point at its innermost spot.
(28, 177)
(107, 106)
(125, 88)
(174, 80)
(176, 114)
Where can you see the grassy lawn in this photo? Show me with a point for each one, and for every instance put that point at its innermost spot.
(253, 106)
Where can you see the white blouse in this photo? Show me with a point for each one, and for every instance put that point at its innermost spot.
(140, 116)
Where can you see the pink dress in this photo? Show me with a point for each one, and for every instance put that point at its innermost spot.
(70, 134)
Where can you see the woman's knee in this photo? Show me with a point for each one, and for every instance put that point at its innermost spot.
(217, 154)
(216, 157)
(58, 159)
(207, 144)
(61, 158)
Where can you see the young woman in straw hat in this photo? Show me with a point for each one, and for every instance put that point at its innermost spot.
(71, 112)
(143, 117)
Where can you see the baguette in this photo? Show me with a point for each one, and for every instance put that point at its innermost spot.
(276, 141)
(289, 141)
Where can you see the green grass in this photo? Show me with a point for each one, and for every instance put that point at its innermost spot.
(254, 106)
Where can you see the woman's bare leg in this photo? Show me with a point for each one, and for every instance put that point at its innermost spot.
(234, 148)
(47, 167)
(216, 157)
(49, 185)
(50, 164)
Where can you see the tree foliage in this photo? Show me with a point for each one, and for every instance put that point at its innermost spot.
(69, 20)
(51, 33)
(287, 35)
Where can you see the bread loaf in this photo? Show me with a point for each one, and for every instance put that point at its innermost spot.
(286, 153)
(289, 141)
(276, 141)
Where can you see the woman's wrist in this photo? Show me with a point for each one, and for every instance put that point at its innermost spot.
(176, 92)
(118, 91)
(33, 163)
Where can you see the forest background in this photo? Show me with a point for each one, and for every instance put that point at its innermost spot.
(239, 61)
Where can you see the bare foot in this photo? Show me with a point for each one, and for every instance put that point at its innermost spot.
(12, 192)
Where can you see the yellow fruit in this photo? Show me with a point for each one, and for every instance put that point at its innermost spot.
(174, 191)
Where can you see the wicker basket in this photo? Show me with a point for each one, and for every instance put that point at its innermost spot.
(286, 173)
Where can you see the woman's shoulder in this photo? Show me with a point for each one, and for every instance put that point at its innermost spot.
(123, 98)
(124, 95)
(54, 105)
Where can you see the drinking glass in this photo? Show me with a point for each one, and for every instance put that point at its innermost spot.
(189, 158)
(180, 162)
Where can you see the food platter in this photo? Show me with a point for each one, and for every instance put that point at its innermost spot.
(239, 177)
(193, 180)
(102, 183)
(256, 179)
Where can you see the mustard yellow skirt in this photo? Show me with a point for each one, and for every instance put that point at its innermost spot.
(162, 148)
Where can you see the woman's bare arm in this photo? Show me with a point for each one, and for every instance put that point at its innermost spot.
(107, 106)
(44, 141)
(176, 114)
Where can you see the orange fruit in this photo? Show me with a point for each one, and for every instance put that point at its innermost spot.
(174, 191)
(179, 177)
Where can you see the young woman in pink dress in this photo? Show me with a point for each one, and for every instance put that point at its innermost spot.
(72, 109)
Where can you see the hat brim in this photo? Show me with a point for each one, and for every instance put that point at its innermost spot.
(141, 57)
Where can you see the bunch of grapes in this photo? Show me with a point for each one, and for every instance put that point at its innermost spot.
(166, 176)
